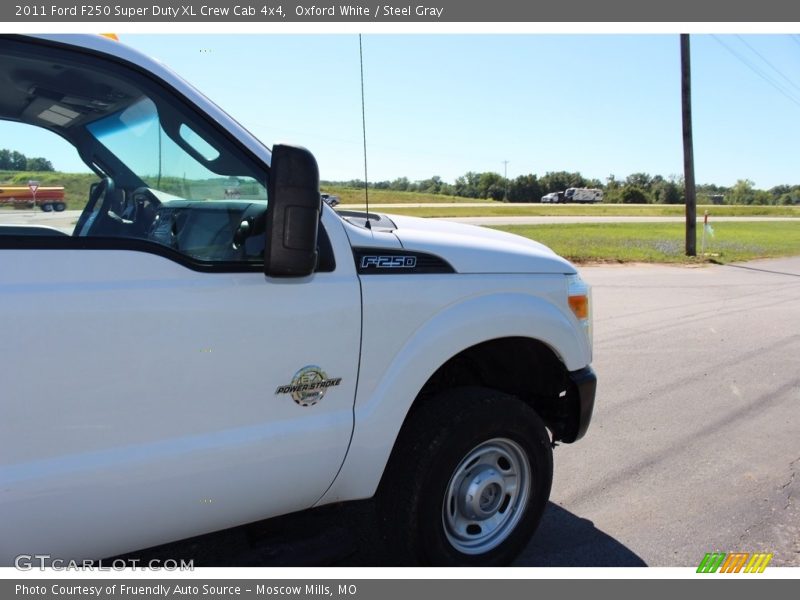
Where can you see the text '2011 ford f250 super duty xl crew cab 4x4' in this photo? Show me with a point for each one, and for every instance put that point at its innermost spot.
(217, 359)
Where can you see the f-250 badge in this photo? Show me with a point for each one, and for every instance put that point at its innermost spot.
(389, 262)
(309, 385)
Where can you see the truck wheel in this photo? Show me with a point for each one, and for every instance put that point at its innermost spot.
(60, 206)
(47, 207)
(467, 482)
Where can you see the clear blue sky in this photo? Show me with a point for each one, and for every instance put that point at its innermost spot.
(447, 104)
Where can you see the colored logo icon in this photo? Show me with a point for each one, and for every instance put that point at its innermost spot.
(734, 562)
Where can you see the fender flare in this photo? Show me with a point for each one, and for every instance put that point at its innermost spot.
(381, 409)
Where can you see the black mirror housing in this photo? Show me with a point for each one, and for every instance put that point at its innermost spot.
(293, 213)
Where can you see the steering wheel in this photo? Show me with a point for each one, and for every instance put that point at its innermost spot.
(104, 189)
(141, 209)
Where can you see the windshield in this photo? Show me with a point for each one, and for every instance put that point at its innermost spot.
(181, 167)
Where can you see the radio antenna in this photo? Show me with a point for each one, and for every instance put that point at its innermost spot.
(364, 130)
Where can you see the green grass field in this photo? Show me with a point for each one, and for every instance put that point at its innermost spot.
(663, 243)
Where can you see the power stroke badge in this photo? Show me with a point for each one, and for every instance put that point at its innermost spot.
(309, 385)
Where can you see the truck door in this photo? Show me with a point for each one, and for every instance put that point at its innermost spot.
(157, 385)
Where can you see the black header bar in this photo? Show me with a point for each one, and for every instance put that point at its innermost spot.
(398, 11)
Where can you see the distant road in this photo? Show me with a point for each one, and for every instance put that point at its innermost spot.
(65, 221)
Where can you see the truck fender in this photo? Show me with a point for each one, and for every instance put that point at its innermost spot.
(381, 409)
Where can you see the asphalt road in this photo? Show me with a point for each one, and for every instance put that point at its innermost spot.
(65, 221)
(694, 445)
(695, 442)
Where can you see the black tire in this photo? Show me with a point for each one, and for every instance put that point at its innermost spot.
(59, 206)
(427, 467)
(47, 207)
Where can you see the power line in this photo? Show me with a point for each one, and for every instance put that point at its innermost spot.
(757, 71)
(760, 72)
(768, 63)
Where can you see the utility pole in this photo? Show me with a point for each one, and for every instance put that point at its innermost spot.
(688, 148)
(505, 181)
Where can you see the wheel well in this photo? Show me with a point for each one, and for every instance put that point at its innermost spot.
(522, 367)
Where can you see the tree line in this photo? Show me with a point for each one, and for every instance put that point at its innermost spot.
(637, 188)
(11, 160)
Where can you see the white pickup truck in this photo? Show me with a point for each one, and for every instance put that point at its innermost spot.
(216, 360)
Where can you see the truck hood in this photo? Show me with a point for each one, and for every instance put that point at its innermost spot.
(472, 249)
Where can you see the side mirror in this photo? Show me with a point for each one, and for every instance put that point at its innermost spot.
(293, 213)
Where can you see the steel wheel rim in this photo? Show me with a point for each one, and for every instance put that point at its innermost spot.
(486, 496)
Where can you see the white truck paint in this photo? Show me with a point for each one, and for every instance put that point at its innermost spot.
(215, 361)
